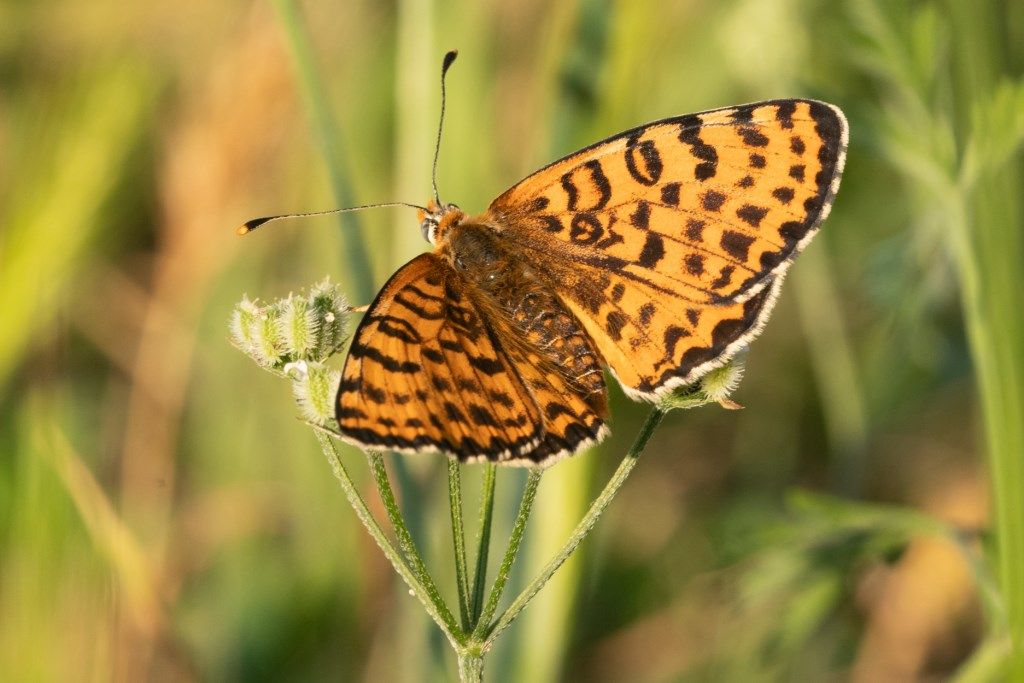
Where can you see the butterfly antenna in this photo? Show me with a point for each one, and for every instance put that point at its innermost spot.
(449, 58)
(249, 226)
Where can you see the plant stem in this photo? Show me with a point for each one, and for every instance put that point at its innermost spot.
(459, 540)
(483, 541)
(406, 543)
(988, 262)
(441, 616)
(582, 529)
(471, 666)
(514, 542)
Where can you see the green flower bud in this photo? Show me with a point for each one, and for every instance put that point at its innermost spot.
(331, 310)
(243, 322)
(714, 387)
(314, 386)
(719, 384)
(297, 326)
(254, 331)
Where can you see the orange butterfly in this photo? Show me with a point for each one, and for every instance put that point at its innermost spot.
(657, 253)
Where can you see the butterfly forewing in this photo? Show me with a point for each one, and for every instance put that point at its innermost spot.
(670, 240)
(424, 373)
(431, 369)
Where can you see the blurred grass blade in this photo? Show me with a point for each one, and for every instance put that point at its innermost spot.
(128, 561)
(315, 93)
(62, 185)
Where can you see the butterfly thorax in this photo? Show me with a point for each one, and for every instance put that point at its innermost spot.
(524, 309)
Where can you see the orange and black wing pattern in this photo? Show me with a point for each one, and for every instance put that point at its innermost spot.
(669, 242)
(428, 371)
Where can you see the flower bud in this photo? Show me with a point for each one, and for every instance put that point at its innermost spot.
(719, 384)
(331, 310)
(254, 331)
(297, 326)
(314, 386)
(714, 387)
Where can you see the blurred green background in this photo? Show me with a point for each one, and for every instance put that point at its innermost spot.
(164, 516)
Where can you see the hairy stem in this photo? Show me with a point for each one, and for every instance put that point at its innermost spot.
(582, 529)
(440, 614)
(459, 540)
(406, 543)
(483, 541)
(514, 541)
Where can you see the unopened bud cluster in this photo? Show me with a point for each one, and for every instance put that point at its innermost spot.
(293, 336)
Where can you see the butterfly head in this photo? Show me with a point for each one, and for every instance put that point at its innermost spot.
(437, 219)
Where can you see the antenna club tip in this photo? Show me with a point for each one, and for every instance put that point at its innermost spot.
(243, 230)
(449, 57)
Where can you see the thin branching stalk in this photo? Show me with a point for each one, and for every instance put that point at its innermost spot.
(459, 541)
(406, 543)
(483, 540)
(582, 529)
(442, 617)
(514, 542)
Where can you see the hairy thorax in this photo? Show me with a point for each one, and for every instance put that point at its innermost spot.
(513, 294)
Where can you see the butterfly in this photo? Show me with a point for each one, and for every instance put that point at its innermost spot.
(656, 254)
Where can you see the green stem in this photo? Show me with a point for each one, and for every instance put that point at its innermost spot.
(459, 540)
(582, 529)
(990, 244)
(471, 666)
(440, 614)
(514, 541)
(406, 543)
(314, 91)
(483, 541)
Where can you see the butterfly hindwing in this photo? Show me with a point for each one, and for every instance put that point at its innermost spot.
(670, 241)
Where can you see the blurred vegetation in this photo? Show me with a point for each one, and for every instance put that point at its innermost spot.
(163, 515)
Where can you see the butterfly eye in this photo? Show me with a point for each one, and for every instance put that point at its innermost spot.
(428, 228)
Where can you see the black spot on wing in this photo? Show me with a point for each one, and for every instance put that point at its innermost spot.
(653, 251)
(571, 192)
(689, 134)
(752, 215)
(646, 313)
(615, 321)
(784, 113)
(752, 137)
(783, 194)
(694, 229)
(736, 244)
(712, 200)
(600, 180)
(647, 153)
(641, 217)
(670, 194)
